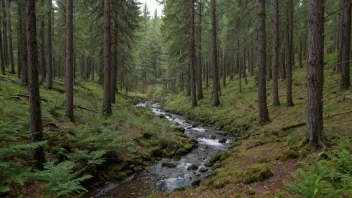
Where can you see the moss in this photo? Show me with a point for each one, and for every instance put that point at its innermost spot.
(215, 158)
(250, 191)
(237, 195)
(180, 189)
(256, 173)
(225, 155)
(288, 154)
(192, 167)
(196, 183)
(138, 169)
(235, 144)
(213, 137)
(168, 165)
(182, 151)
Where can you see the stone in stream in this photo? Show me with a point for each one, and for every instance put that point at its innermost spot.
(213, 137)
(223, 140)
(168, 165)
(203, 169)
(192, 167)
(180, 129)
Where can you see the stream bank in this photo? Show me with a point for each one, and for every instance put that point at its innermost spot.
(176, 172)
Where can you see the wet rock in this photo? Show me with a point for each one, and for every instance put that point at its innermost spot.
(203, 169)
(180, 189)
(176, 158)
(158, 152)
(168, 165)
(182, 151)
(213, 137)
(222, 140)
(177, 124)
(196, 183)
(161, 116)
(192, 167)
(180, 129)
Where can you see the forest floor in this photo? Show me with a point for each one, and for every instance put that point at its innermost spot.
(107, 148)
(263, 158)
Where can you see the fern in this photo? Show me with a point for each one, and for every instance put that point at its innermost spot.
(92, 158)
(61, 178)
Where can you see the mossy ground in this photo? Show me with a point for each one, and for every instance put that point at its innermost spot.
(268, 146)
(130, 139)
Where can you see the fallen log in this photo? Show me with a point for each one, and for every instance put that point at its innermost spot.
(19, 96)
(85, 108)
(286, 128)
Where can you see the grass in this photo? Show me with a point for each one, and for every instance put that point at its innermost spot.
(104, 147)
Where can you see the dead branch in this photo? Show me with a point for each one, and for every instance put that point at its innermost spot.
(19, 96)
(85, 108)
(336, 114)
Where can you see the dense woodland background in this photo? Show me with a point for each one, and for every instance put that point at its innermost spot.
(243, 65)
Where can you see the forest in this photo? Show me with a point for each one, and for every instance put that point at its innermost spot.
(197, 98)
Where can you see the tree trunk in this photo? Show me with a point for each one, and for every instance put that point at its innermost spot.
(245, 67)
(107, 60)
(4, 22)
(12, 65)
(216, 83)
(114, 70)
(252, 61)
(50, 53)
(69, 60)
(276, 100)
(239, 71)
(200, 62)
(223, 68)
(300, 53)
(315, 74)
(24, 79)
(42, 46)
(346, 47)
(192, 57)
(282, 67)
(289, 54)
(340, 43)
(261, 55)
(2, 55)
(19, 43)
(34, 96)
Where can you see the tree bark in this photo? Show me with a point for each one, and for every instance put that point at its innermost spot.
(245, 66)
(192, 56)
(8, 7)
(107, 60)
(340, 43)
(69, 73)
(50, 53)
(315, 74)
(216, 83)
(19, 43)
(276, 100)
(4, 22)
(24, 76)
(2, 55)
(114, 69)
(289, 54)
(200, 62)
(42, 46)
(261, 56)
(34, 96)
(346, 47)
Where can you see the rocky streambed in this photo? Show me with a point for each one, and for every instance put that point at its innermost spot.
(170, 174)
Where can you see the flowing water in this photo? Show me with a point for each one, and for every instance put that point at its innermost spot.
(156, 178)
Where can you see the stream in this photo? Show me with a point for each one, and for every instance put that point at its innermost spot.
(156, 178)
